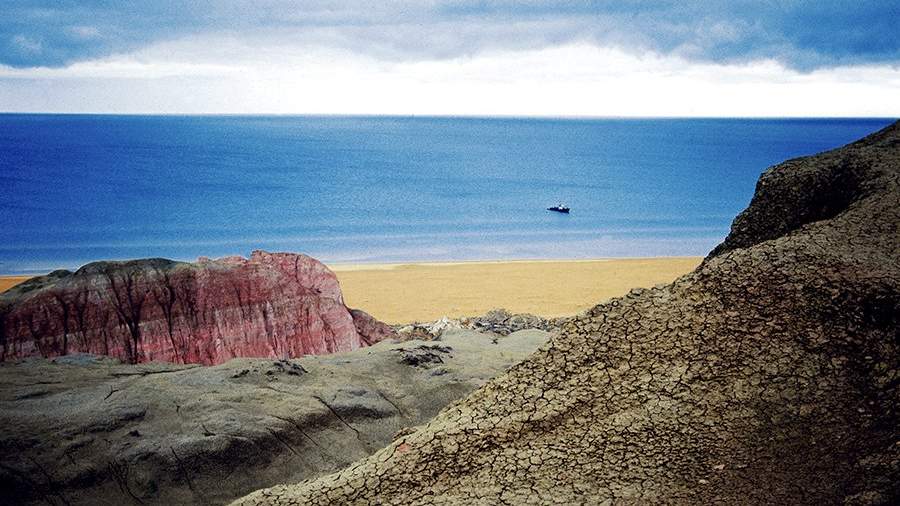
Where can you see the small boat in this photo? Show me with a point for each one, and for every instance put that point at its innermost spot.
(559, 208)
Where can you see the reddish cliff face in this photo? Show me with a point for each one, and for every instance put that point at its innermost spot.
(270, 305)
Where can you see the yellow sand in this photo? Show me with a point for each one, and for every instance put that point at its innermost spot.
(403, 293)
(7, 282)
(421, 292)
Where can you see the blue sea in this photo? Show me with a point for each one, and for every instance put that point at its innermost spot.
(382, 189)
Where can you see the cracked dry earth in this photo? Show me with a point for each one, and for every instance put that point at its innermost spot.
(767, 375)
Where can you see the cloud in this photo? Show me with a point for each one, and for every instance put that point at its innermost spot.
(84, 32)
(798, 34)
(27, 46)
(227, 75)
(456, 57)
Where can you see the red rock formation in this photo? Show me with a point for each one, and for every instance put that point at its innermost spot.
(272, 305)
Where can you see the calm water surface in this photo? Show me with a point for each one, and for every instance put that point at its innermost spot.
(367, 189)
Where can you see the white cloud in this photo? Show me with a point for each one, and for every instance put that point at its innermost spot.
(84, 32)
(222, 75)
(27, 45)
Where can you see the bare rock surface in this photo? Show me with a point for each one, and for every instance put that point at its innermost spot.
(496, 321)
(86, 429)
(769, 375)
(502, 322)
(271, 305)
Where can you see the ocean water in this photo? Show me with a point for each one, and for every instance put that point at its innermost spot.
(380, 189)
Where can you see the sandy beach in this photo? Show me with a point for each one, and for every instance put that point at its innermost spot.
(402, 293)
(7, 282)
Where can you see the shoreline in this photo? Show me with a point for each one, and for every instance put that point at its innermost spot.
(407, 292)
(384, 266)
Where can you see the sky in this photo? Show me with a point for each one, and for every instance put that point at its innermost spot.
(530, 58)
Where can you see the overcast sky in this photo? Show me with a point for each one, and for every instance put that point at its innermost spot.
(603, 58)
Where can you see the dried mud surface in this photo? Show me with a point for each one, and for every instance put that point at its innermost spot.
(768, 375)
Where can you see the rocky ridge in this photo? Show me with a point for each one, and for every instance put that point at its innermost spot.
(271, 305)
(769, 375)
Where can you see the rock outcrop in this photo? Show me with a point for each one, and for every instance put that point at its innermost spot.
(88, 430)
(769, 375)
(496, 321)
(271, 305)
(502, 322)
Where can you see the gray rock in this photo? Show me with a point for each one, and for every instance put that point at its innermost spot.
(496, 321)
(502, 322)
(86, 430)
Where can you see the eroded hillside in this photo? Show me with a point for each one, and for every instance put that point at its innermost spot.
(768, 375)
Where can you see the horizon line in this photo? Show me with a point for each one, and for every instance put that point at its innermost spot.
(434, 116)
